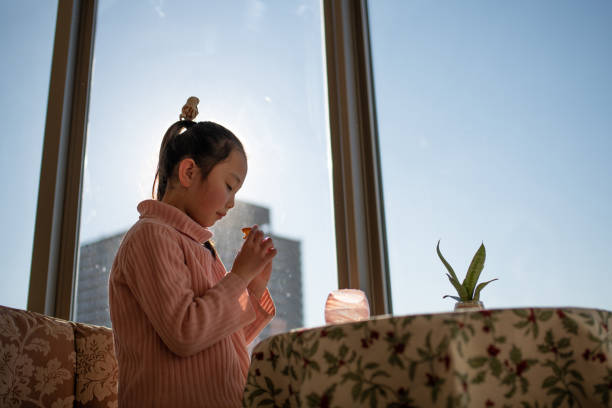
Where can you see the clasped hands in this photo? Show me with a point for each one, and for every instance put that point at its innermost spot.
(254, 261)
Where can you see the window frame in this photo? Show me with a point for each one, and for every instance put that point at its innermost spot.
(357, 181)
(56, 230)
(356, 177)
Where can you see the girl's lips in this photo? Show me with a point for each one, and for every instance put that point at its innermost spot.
(220, 215)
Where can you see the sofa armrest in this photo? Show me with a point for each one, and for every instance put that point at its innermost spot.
(37, 359)
(45, 361)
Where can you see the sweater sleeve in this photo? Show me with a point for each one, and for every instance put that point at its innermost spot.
(264, 312)
(157, 276)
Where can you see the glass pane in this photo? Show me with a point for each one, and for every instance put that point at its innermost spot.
(27, 29)
(495, 123)
(148, 60)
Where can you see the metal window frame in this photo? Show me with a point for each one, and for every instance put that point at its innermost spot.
(358, 200)
(56, 234)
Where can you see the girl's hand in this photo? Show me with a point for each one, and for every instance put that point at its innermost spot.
(258, 285)
(255, 254)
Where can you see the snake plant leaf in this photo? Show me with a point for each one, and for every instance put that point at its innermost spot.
(473, 273)
(452, 280)
(460, 289)
(448, 267)
(480, 287)
(458, 299)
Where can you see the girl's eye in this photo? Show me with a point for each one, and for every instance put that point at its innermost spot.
(229, 187)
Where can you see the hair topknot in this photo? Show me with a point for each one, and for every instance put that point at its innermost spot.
(190, 109)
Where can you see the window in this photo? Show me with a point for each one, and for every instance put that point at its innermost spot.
(494, 124)
(257, 70)
(26, 43)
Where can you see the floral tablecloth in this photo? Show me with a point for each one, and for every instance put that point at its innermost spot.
(528, 358)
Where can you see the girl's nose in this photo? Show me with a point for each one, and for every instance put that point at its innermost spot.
(230, 203)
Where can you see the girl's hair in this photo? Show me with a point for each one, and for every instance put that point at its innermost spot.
(207, 143)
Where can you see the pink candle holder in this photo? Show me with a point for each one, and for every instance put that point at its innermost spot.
(346, 305)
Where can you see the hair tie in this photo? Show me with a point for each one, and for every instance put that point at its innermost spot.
(190, 109)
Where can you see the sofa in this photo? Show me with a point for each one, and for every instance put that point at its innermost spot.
(49, 362)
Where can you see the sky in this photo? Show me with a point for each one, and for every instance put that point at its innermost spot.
(495, 124)
(26, 40)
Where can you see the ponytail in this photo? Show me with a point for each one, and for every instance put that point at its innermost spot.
(163, 173)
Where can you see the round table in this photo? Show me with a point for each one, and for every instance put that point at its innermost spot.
(527, 357)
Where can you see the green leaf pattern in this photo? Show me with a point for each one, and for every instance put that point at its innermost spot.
(534, 357)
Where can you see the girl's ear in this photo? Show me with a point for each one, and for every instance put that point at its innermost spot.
(187, 171)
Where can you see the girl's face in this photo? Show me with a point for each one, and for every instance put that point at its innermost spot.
(210, 199)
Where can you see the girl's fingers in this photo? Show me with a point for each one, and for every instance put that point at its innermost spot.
(267, 243)
(270, 254)
(258, 247)
(251, 235)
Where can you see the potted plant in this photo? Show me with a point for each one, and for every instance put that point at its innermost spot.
(468, 290)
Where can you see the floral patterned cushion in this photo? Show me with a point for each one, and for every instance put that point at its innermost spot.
(37, 360)
(519, 358)
(96, 367)
(44, 360)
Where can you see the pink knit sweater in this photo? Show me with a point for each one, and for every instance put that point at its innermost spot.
(181, 322)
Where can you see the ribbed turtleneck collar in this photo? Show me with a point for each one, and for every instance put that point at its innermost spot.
(175, 218)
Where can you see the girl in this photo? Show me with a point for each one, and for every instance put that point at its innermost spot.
(181, 323)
